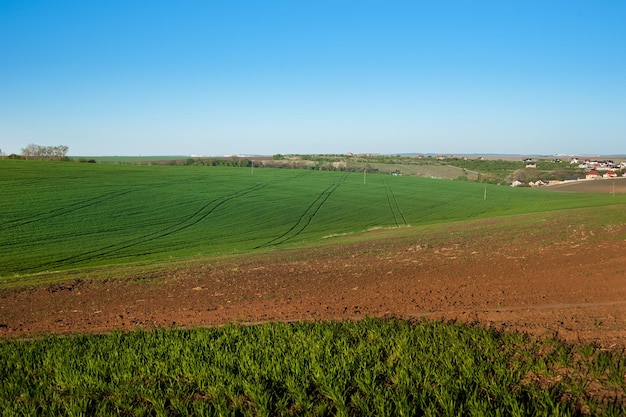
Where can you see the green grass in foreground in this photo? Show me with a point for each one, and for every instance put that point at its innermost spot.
(68, 216)
(370, 367)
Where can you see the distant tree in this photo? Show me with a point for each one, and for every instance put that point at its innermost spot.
(59, 152)
(29, 151)
(520, 175)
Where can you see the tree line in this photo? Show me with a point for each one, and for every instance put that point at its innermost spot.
(58, 153)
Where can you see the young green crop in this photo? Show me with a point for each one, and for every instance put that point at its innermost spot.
(58, 216)
(370, 367)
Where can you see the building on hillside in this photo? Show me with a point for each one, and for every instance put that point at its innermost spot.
(609, 174)
(592, 175)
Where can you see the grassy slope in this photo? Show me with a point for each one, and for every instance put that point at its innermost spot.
(371, 367)
(56, 216)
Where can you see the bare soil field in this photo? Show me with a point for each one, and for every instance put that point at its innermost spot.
(603, 186)
(554, 276)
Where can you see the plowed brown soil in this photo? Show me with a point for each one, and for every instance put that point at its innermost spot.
(556, 276)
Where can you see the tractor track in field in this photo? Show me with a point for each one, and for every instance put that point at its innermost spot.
(199, 215)
(307, 216)
(192, 220)
(394, 207)
(79, 205)
(62, 211)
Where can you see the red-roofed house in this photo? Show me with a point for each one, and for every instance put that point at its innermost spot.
(592, 175)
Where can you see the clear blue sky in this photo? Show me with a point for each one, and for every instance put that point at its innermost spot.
(263, 77)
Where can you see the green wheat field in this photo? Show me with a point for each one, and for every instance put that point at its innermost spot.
(60, 216)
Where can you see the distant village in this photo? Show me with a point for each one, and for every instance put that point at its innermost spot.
(595, 170)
